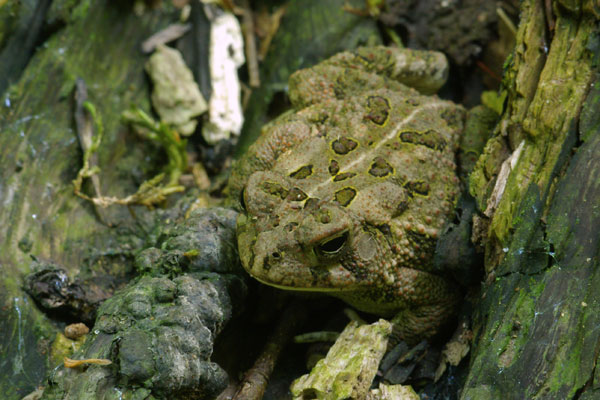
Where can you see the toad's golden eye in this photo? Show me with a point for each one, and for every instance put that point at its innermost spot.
(333, 246)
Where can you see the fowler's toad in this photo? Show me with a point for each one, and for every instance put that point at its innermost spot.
(347, 194)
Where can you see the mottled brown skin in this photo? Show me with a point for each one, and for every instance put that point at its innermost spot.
(348, 193)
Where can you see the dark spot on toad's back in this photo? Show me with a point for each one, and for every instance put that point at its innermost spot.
(418, 187)
(379, 110)
(345, 196)
(302, 172)
(296, 195)
(343, 145)
(334, 167)
(275, 189)
(430, 138)
(343, 176)
(380, 167)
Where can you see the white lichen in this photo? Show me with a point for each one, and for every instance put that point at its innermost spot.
(226, 56)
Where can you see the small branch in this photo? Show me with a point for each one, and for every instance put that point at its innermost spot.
(169, 34)
(255, 381)
(251, 57)
(274, 20)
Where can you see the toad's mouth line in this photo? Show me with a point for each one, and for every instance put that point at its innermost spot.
(307, 289)
(347, 285)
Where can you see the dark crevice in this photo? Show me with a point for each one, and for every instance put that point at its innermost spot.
(538, 272)
(551, 263)
(550, 250)
(509, 273)
(540, 246)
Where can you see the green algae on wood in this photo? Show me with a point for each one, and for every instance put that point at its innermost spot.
(350, 365)
(40, 156)
(538, 318)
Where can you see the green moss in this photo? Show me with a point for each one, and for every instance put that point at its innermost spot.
(25, 343)
(541, 232)
(483, 392)
(62, 347)
(513, 336)
(81, 10)
(483, 177)
(41, 155)
(567, 376)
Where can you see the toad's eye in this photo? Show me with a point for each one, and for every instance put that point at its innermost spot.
(333, 246)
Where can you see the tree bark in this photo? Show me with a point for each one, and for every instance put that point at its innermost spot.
(537, 325)
(40, 156)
